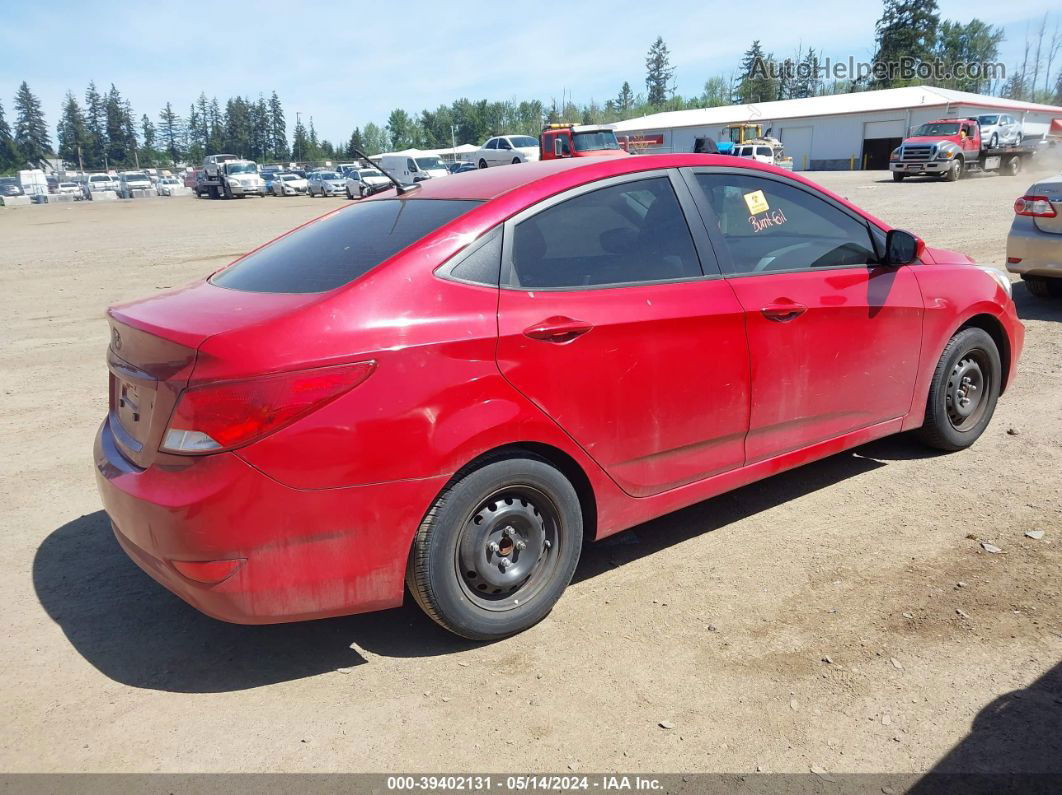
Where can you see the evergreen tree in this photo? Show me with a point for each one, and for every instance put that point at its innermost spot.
(72, 133)
(808, 81)
(261, 130)
(659, 72)
(300, 145)
(170, 131)
(117, 151)
(194, 142)
(625, 101)
(356, 142)
(906, 29)
(96, 121)
(974, 42)
(756, 83)
(8, 151)
(237, 128)
(278, 129)
(150, 155)
(313, 144)
(1057, 98)
(31, 132)
(215, 128)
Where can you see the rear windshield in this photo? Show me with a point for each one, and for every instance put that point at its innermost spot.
(341, 247)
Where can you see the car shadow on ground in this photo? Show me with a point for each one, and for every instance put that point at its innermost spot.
(139, 634)
(1013, 742)
(1031, 307)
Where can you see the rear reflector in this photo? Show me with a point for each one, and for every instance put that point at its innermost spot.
(208, 572)
(228, 414)
(1036, 206)
(1013, 260)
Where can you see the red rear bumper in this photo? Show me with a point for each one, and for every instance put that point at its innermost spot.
(307, 554)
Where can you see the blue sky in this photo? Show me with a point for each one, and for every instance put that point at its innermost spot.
(348, 63)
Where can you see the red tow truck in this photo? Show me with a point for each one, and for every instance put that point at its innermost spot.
(948, 148)
(578, 140)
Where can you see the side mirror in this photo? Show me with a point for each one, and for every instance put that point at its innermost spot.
(557, 147)
(902, 248)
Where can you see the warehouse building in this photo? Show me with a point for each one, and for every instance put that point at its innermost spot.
(840, 131)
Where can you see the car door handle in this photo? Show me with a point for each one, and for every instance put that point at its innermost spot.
(557, 329)
(783, 313)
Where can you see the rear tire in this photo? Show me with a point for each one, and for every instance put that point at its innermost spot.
(963, 392)
(516, 160)
(1043, 287)
(497, 548)
(993, 142)
(1011, 166)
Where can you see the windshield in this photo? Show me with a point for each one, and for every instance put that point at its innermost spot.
(288, 177)
(523, 140)
(99, 178)
(937, 128)
(328, 175)
(987, 119)
(134, 178)
(242, 168)
(340, 247)
(601, 139)
(429, 163)
(369, 172)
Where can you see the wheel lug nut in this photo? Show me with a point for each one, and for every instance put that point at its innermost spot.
(506, 563)
(493, 546)
(521, 545)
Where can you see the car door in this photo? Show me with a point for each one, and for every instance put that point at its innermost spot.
(504, 155)
(611, 325)
(489, 152)
(834, 337)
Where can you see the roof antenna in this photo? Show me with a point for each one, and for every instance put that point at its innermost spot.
(399, 187)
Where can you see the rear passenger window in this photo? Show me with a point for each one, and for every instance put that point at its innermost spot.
(480, 263)
(629, 233)
(770, 226)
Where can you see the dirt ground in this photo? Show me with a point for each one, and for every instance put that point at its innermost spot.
(842, 616)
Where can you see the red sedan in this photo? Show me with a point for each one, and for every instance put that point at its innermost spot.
(449, 389)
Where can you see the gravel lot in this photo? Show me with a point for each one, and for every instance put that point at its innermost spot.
(842, 616)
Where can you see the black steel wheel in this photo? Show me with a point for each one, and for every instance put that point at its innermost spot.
(482, 163)
(497, 549)
(964, 391)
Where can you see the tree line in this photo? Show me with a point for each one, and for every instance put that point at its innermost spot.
(100, 130)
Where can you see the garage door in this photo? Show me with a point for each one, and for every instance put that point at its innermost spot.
(894, 128)
(797, 143)
(879, 139)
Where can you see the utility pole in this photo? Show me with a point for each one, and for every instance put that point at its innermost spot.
(453, 140)
(80, 162)
(298, 117)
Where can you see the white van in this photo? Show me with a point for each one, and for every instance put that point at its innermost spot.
(411, 168)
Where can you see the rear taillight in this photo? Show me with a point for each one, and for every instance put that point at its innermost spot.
(228, 414)
(1036, 206)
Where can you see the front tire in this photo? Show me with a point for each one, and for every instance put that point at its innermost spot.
(497, 548)
(993, 142)
(964, 391)
(482, 163)
(897, 176)
(954, 174)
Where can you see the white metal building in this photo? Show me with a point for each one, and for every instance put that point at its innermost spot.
(839, 131)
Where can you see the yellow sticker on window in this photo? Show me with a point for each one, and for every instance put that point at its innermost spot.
(756, 202)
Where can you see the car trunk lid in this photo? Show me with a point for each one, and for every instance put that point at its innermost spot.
(153, 350)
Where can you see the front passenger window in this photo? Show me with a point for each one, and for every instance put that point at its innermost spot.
(772, 226)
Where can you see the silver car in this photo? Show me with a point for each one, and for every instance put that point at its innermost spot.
(999, 129)
(326, 183)
(1034, 246)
